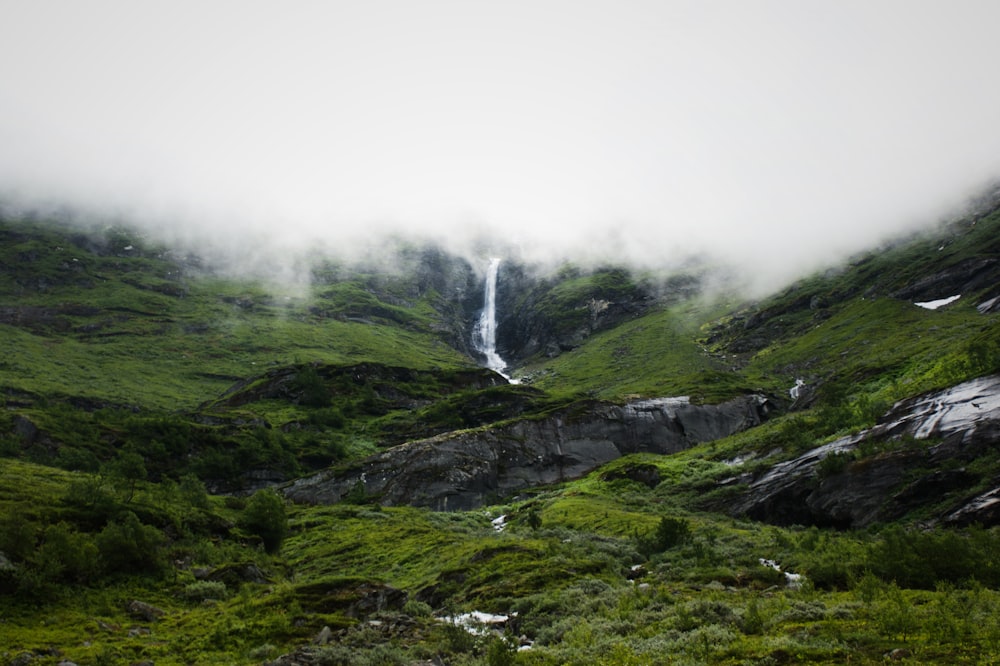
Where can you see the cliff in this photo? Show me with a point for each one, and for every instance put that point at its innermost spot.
(464, 470)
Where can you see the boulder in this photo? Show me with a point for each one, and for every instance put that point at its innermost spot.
(143, 611)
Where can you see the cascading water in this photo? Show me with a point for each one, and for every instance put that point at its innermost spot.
(485, 336)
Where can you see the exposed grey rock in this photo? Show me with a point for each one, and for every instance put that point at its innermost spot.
(5, 563)
(647, 474)
(323, 637)
(25, 429)
(983, 509)
(989, 306)
(236, 573)
(463, 470)
(966, 418)
(969, 275)
(143, 611)
(356, 599)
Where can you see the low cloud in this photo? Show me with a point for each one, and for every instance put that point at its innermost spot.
(778, 137)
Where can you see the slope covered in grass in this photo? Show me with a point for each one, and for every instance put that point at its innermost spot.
(137, 376)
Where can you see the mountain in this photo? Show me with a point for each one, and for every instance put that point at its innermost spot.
(206, 465)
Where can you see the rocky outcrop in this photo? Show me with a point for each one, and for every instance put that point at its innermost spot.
(464, 470)
(855, 490)
(539, 314)
(971, 275)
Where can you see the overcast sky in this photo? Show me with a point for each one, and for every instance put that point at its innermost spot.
(784, 133)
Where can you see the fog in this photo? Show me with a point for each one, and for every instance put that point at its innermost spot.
(777, 136)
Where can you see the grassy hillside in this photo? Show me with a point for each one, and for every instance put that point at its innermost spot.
(588, 569)
(132, 377)
(87, 318)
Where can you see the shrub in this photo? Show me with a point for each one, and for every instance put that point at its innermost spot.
(17, 536)
(125, 472)
(833, 463)
(129, 546)
(311, 388)
(205, 589)
(193, 491)
(265, 517)
(68, 555)
(669, 533)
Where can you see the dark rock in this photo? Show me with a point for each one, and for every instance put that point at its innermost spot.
(983, 509)
(970, 275)
(143, 611)
(5, 563)
(535, 317)
(23, 659)
(351, 597)
(965, 417)
(464, 470)
(936, 484)
(989, 306)
(303, 656)
(235, 574)
(646, 474)
(25, 429)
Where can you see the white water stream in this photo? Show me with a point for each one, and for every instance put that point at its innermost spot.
(485, 338)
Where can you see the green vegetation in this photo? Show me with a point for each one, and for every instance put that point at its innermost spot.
(134, 382)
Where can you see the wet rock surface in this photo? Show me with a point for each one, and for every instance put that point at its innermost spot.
(964, 420)
(464, 470)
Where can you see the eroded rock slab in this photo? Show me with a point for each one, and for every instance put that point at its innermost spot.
(464, 470)
(966, 420)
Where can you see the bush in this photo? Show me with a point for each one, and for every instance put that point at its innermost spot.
(205, 589)
(193, 491)
(669, 533)
(265, 517)
(311, 388)
(125, 472)
(66, 555)
(17, 536)
(131, 547)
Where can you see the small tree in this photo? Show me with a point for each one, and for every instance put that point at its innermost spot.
(126, 471)
(265, 516)
(311, 388)
(193, 491)
(669, 533)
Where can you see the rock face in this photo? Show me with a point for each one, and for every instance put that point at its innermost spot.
(540, 315)
(906, 474)
(463, 470)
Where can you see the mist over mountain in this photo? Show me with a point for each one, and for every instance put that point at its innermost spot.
(776, 137)
(229, 452)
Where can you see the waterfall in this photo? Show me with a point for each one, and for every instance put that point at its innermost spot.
(485, 336)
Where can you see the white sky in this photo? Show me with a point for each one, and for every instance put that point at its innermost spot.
(779, 133)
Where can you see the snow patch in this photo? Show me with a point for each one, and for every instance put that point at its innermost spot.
(797, 389)
(934, 305)
(499, 523)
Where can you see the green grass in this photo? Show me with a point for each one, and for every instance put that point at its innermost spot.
(707, 600)
(108, 349)
(650, 356)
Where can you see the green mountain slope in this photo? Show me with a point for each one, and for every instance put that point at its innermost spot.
(134, 378)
